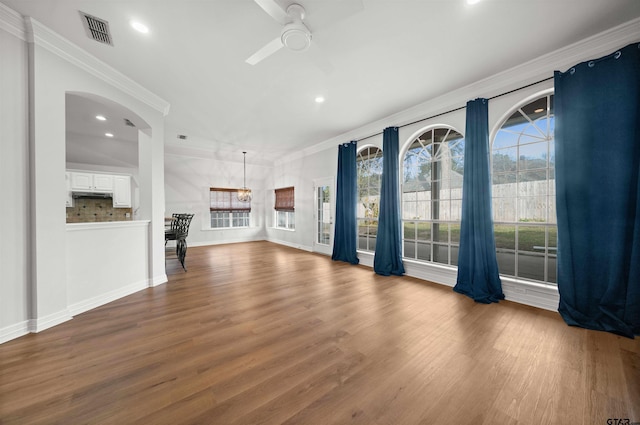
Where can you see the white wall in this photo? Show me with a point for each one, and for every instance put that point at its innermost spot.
(53, 75)
(188, 178)
(14, 181)
(300, 172)
(38, 68)
(187, 182)
(105, 261)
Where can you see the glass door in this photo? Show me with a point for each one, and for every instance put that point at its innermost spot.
(323, 216)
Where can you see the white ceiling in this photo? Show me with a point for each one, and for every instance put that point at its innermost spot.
(369, 59)
(86, 141)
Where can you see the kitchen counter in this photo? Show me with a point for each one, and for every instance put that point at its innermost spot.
(107, 225)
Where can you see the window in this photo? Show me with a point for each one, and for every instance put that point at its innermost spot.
(227, 210)
(285, 207)
(523, 191)
(369, 168)
(432, 196)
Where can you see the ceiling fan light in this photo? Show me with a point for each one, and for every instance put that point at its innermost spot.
(296, 36)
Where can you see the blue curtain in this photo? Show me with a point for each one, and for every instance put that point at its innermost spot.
(388, 256)
(597, 136)
(346, 228)
(478, 275)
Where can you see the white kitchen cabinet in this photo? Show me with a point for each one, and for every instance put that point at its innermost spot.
(81, 181)
(90, 182)
(122, 191)
(103, 182)
(119, 185)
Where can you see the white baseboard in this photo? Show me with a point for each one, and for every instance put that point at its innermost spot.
(291, 245)
(40, 324)
(520, 291)
(102, 299)
(432, 272)
(14, 331)
(538, 295)
(158, 280)
(172, 244)
(366, 258)
(251, 239)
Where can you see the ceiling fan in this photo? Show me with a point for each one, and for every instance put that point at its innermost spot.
(295, 35)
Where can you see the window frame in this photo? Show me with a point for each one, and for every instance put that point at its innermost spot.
(425, 238)
(520, 230)
(284, 208)
(228, 209)
(367, 216)
(288, 220)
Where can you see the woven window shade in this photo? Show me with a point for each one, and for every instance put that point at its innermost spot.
(285, 199)
(227, 200)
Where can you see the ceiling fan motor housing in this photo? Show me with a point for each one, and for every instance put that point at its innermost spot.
(296, 36)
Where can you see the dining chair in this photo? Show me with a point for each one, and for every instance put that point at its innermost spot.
(178, 231)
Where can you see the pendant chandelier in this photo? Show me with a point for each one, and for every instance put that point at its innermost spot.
(244, 194)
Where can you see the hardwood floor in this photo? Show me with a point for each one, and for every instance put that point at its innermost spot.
(258, 333)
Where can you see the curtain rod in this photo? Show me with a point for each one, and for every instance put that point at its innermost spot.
(460, 107)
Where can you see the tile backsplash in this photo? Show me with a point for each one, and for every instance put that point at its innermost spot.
(89, 210)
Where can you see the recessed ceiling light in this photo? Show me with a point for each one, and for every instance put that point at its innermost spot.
(319, 99)
(473, 1)
(100, 118)
(108, 134)
(537, 111)
(140, 27)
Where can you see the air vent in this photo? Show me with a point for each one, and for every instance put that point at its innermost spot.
(128, 123)
(97, 29)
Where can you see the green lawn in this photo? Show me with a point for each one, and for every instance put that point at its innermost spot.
(528, 236)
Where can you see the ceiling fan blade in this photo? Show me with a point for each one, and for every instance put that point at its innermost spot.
(269, 49)
(274, 10)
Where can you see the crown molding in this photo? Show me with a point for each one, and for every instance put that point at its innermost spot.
(521, 75)
(42, 36)
(12, 22)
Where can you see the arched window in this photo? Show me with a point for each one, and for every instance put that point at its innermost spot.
(432, 196)
(369, 163)
(523, 191)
